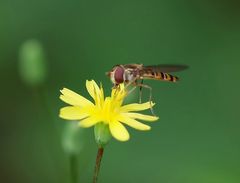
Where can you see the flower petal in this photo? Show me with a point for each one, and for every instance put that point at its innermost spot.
(73, 113)
(101, 93)
(133, 123)
(136, 107)
(118, 131)
(92, 88)
(106, 108)
(73, 98)
(140, 116)
(88, 122)
(118, 91)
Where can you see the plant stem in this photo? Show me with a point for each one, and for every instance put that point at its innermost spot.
(73, 168)
(98, 163)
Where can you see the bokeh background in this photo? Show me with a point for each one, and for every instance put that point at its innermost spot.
(197, 138)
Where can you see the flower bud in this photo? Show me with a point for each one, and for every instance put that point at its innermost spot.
(32, 63)
(72, 138)
(102, 134)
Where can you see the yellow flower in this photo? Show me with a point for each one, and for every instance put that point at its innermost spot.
(109, 110)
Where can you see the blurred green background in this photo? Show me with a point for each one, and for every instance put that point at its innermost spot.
(197, 138)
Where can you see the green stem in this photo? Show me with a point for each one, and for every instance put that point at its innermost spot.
(98, 163)
(73, 168)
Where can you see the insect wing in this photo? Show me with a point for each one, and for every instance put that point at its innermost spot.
(166, 68)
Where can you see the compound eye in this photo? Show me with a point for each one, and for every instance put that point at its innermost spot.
(118, 74)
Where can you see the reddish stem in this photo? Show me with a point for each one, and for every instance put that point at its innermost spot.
(98, 163)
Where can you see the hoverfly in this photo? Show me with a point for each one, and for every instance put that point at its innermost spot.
(131, 74)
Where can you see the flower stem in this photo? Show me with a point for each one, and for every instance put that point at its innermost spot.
(73, 168)
(98, 163)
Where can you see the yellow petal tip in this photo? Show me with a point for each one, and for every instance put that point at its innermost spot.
(62, 90)
(81, 125)
(147, 128)
(155, 118)
(123, 139)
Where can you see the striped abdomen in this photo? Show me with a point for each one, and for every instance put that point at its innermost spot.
(150, 74)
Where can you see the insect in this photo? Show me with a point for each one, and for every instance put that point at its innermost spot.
(131, 74)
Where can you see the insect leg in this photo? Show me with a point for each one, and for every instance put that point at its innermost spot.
(131, 83)
(150, 95)
(140, 92)
(134, 84)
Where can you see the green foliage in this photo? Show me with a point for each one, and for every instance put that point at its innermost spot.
(72, 138)
(32, 63)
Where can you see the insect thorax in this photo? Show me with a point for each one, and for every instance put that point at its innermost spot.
(129, 75)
